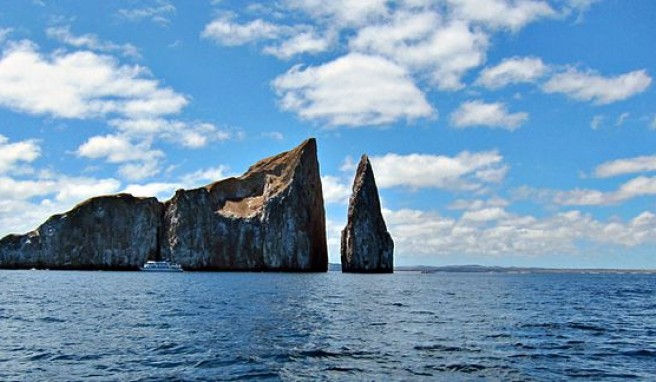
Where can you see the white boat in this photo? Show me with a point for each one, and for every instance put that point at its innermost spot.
(161, 266)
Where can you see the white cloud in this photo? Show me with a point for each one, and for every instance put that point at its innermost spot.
(90, 41)
(225, 32)
(626, 166)
(275, 135)
(595, 123)
(138, 161)
(428, 45)
(343, 13)
(80, 85)
(497, 233)
(511, 71)
(479, 113)
(300, 43)
(589, 86)
(4, 32)
(478, 204)
(353, 90)
(204, 176)
(634, 188)
(621, 119)
(162, 191)
(465, 171)
(335, 190)
(158, 12)
(512, 15)
(485, 214)
(191, 135)
(19, 152)
(652, 125)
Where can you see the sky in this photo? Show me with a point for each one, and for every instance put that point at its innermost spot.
(501, 132)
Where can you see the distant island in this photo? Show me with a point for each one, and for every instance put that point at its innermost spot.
(516, 270)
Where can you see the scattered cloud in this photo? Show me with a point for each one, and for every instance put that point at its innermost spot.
(158, 12)
(592, 87)
(341, 13)
(597, 120)
(225, 32)
(427, 45)
(496, 232)
(634, 188)
(138, 161)
(512, 71)
(204, 176)
(512, 15)
(621, 119)
(463, 172)
(190, 135)
(80, 84)
(90, 41)
(353, 90)
(494, 115)
(626, 166)
(305, 42)
(4, 32)
(422, 44)
(335, 190)
(13, 154)
(275, 135)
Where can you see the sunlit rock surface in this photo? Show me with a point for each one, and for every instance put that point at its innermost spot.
(366, 247)
(270, 219)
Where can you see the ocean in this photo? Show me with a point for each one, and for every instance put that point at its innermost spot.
(131, 326)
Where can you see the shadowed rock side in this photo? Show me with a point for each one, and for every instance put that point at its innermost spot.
(366, 247)
(270, 219)
(107, 232)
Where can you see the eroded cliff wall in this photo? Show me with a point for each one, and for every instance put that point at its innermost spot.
(269, 219)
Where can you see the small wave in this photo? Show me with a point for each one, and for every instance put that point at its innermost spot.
(320, 353)
(640, 353)
(39, 356)
(465, 367)
(170, 348)
(586, 327)
(50, 319)
(345, 369)
(445, 348)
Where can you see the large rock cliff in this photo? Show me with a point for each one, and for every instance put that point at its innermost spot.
(367, 247)
(107, 232)
(269, 219)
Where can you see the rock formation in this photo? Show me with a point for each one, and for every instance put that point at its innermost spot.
(367, 247)
(270, 219)
(107, 232)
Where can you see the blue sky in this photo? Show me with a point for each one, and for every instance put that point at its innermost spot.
(505, 132)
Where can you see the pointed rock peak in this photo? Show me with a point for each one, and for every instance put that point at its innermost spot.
(367, 247)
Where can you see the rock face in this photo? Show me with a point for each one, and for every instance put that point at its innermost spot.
(367, 247)
(107, 232)
(270, 219)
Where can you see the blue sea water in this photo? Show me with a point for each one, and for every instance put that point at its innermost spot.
(112, 326)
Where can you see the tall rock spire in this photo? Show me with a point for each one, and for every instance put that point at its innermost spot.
(367, 247)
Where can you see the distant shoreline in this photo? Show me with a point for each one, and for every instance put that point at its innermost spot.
(517, 270)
